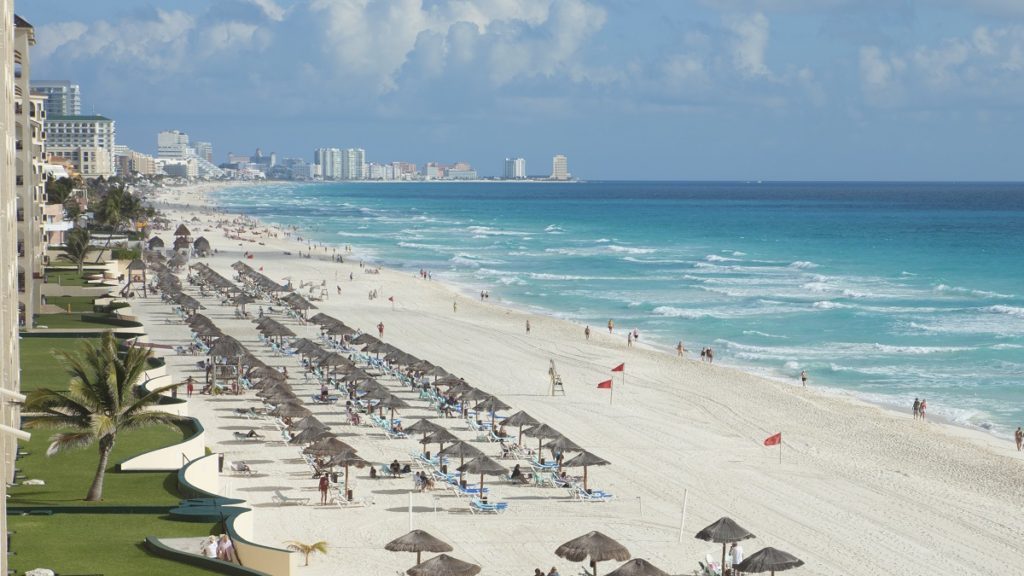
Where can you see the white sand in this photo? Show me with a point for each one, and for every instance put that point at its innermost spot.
(861, 490)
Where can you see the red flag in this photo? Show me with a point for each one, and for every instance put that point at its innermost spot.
(605, 384)
(620, 368)
(391, 299)
(773, 440)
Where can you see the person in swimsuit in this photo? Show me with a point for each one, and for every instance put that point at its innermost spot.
(1019, 437)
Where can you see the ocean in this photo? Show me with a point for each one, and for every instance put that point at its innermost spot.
(882, 291)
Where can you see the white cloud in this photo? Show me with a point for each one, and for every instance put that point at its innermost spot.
(271, 9)
(159, 42)
(750, 42)
(51, 37)
(231, 35)
(508, 39)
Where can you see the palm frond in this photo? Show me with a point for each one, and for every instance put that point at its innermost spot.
(147, 418)
(69, 441)
(56, 403)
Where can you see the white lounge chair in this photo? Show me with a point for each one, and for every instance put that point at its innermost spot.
(280, 498)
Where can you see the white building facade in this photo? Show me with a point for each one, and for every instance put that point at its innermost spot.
(87, 141)
(559, 167)
(515, 169)
(63, 98)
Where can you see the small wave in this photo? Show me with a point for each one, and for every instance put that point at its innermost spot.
(564, 251)
(653, 260)
(817, 287)
(602, 241)
(1008, 310)
(803, 264)
(737, 253)
(553, 229)
(717, 258)
(1007, 347)
(763, 334)
(855, 294)
(980, 293)
(354, 234)
(470, 260)
(630, 249)
(673, 312)
(791, 365)
(488, 231)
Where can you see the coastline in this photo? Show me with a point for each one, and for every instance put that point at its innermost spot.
(703, 424)
(468, 291)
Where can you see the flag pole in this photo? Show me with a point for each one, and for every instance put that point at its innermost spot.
(780, 451)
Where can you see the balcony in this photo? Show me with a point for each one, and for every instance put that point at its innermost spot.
(60, 226)
(18, 145)
(19, 180)
(21, 214)
(21, 249)
(17, 108)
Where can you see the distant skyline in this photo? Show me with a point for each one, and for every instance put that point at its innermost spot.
(627, 89)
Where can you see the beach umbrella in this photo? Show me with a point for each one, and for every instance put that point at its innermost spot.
(449, 380)
(339, 330)
(491, 404)
(425, 426)
(638, 567)
(723, 530)
(585, 459)
(182, 230)
(307, 423)
(242, 299)
(320, 319)
(334, 359)
(559, 446)
(227, 347)
(593, 545)
(202, 245)
(155, 243)
(289, 410)
(540, 432)
(204, 330)
(462, 450)
(306, 347)
(328, 446)
(441, 437)
(768, 560)
(520, 419)
(310, 435)
(483, 465)
(364, 338)
(392, 403)
(444, 565)
(346, 459)
(419, 542)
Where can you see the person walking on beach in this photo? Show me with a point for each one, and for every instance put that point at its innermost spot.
(711, 355)
(455, 306)
(611, 326)
(190, 386)
(917, 408)
(325, 485)
(703, 354)
(629, 339)
(803, 377)
(586, 332)
(1019, 437)
(527, 325)
(924, 407)
(380, 329)
(680, 349)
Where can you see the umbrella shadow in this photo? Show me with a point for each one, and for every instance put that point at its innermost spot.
(263, 488)
(414, 509)
(390, 492)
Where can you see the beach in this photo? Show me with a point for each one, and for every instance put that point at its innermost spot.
(859, 489)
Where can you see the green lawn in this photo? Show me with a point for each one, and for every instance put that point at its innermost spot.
(68, 475)
(77, 303)
(98, 543)
(39, 368)
(70, 276)
(69, 321)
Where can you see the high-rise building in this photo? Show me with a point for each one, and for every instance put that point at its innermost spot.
(205, 150)
(87, 141)
(63, 98)
(329, 161)
(353, 162)
(29, 139)
(559, 167)
(172, 144)
(515, 169)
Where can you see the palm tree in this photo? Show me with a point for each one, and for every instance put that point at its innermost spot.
(76, 247)
(307, 549)
(102, 400)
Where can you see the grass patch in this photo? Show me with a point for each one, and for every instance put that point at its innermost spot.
(73, 320)
(68, 475)
(77, 303)
(39, 368)
(70, 276)
(98, 543)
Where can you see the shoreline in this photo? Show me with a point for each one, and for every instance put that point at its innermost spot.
(469, 292)
(859, 490)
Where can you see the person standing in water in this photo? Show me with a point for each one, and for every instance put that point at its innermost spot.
(611, 326)
(680, 349)
(803, 377)
(1019, 437)
(586, 332)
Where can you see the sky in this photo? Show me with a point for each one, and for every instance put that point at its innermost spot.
(627, 89)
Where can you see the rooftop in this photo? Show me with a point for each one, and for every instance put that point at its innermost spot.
(91, 118)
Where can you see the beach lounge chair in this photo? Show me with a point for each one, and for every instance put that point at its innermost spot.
(241, 468)
(479, 506)
(592, 496)
(279, 498)
(342, 502)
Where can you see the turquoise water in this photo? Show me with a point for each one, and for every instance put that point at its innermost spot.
(884, 291)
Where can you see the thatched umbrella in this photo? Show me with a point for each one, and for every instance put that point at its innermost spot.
(328, 446)
(449, 380)
(425, 426)
(306, 347)
(289, 410)
(155, 243)
(585, 459)
(638, 567)
(594, 545)
(310, 435)
(724, 530)
(520, 419)
(769, 560)
(419, 542)
(441, 437)
(320, 319)
(462, 450)
(364, 338)
(392, 402)
(180, 243)
(559, 446)
(182, 230)
(231, 349)
(242, 299)
(540, 432)
(444, 565)
(346, 459)
(483, 465)
(202, 245)
(307, 423)
(491, 404)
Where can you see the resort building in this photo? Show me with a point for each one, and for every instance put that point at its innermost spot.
(63, 98)
(12, 65)
(515, 169)
(87, 141)
(29, 140)
(559, 167)
(353, 161)
(204, 150)
(172, 145)
(329, 161)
